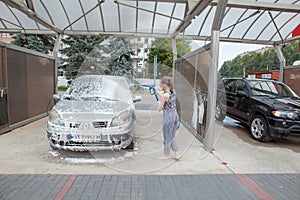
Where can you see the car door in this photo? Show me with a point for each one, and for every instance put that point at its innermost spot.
(241, 100)
(229, 94)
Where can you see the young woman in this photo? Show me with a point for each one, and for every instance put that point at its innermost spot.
(167, 103)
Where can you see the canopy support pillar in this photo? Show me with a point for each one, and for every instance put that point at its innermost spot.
(55, 54)
(213, 75)
(281, 60)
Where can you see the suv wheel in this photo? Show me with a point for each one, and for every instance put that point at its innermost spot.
(220, 115)
(259, 129)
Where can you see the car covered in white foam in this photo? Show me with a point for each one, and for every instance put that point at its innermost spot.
(96, 112)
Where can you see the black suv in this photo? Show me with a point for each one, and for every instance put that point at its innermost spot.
(269, 108)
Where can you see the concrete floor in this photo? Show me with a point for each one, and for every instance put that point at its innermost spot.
(26, 151)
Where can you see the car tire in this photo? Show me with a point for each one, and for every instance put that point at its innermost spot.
(131, 145)
(219, 115)
(53, 147)
(259, 129)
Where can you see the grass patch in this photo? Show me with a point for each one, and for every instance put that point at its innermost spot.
(62, 88)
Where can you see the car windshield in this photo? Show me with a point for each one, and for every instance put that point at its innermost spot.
(271, 89)
(98, 88)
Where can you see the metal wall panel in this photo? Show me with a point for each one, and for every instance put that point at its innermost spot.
(30, 84)
(191, 77)
(1, 68)
(186, 88)
(292, 78)
(203, 63)
(3, 92)
(17, 86)
(40, 84)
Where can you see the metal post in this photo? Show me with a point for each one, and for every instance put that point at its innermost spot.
(55, 54)
(174, 49)
(212, 90)
(155, 69)
(213, 74)
(281, 59)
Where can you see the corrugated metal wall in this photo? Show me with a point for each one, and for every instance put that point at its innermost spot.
(190, 81)
(2, 81)
(3, 92)
(292, 78)
(30, 83)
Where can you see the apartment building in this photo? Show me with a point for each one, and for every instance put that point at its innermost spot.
(6, 37)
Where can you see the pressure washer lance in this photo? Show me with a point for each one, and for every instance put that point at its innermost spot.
(151, 89)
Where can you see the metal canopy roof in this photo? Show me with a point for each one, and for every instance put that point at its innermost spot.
(251, 21)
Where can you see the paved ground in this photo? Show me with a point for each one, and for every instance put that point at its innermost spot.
(203, 186)
(237, 168)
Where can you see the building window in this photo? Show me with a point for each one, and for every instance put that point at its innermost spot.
(6, 35)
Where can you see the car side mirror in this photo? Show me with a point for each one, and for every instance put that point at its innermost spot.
(242, 94)
(56, 97)
(136, 99)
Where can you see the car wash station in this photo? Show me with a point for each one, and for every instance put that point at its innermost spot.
(231, 158)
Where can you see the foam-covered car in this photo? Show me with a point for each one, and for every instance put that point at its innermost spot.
(95, 113)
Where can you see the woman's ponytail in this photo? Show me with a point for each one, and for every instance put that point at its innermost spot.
(166, 80)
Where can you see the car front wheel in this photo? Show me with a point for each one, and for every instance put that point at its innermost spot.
(131, 145)
(259, 129)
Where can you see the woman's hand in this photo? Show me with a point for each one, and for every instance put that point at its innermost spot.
(159, 92)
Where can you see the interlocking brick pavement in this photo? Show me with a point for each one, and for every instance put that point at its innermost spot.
(187, 187)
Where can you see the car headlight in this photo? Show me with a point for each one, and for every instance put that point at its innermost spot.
(55, 118)
(121, 119)
(285, 114)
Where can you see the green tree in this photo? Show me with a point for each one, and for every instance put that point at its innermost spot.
(260, 61)
(77, 51)
(224, 71)
(270, 60)
(40, 43)
(291, 52)
(111, 57)
(163, 49)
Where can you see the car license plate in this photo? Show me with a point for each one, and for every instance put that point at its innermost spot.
(88, 137)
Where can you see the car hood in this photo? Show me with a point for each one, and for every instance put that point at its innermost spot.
(289, 103)
(74, 110)
(286, 103)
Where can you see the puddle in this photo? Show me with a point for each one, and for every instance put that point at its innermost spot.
(54, 153)
(100, 157)
(95, 160)
(231, 122)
